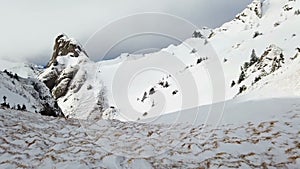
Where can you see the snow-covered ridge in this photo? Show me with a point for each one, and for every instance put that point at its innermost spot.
(24, 70)
(30, 94)
(269, 29)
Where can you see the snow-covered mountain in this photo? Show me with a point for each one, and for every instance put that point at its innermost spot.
(72, 80)
(27, 95)
(24, 70)
(254, 52)
(259, 46)
(225, 98)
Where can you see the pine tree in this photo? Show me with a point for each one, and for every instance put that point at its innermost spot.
(253, 58)
(193, 50)
(246, 65)
(23, 107)
(18, 107)
(232, 83)
(242, 77)
(175, 92)
(152, 91)
(144, 97)
(197, 34)
(166, 85)
(199, 60)
(16, 77)
(281, 59)
(257, 79)
(4, 99)
(242, 88)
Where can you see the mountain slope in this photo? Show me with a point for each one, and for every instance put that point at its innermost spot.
(22, 69)
(27, 94)
(70, 76)
(249, 52)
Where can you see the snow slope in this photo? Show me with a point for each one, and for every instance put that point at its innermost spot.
(257, 137)
(195, 68)
(202, 70)
(31, 93)
(22, 69)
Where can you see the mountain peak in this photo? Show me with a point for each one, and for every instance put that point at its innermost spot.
(68, 55)
(252, 12)
(65, 46)
(248, 19)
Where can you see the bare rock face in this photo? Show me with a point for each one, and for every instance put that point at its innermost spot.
(63, 82)
(49, 78)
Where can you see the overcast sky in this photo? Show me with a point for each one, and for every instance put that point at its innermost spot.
(28, 28)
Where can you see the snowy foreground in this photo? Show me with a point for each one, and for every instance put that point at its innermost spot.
(266, 137)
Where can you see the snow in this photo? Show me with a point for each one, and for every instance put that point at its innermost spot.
(29, 92)
(235, 47)
(258, 135)
(206, 123)
(122, 82)
(22, 69)
(235, 111)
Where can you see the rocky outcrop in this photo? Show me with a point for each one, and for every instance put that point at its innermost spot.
(251, 15)
(271, 60)
(253, 10)
(71, 80)
(256, 6)
(63, 82)
(60, 69)
(65, 46)
(203, 33)
(258, 67)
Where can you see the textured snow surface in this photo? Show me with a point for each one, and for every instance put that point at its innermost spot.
(29, 140)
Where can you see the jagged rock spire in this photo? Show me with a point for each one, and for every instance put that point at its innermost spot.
(65, 46)
(57, 76)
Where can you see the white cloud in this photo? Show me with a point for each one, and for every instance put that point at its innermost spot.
(29, 27)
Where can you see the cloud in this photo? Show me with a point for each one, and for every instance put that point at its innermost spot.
(28, 28)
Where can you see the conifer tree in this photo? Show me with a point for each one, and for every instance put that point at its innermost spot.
(253, 58)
